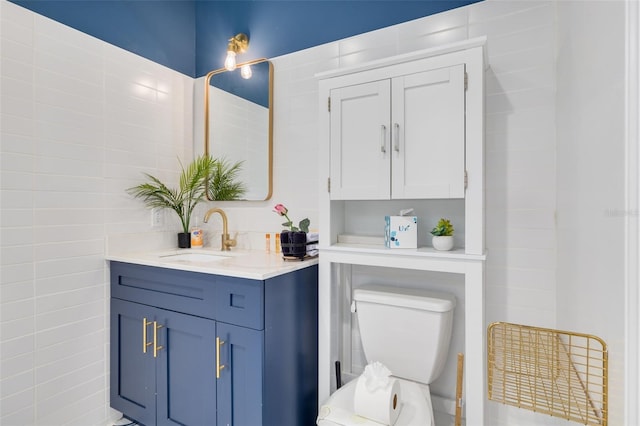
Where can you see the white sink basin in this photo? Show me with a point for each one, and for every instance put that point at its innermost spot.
(193, 257)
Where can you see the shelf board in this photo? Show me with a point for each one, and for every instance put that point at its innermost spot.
(420, 252)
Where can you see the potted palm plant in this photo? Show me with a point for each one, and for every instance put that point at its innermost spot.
(193, 184)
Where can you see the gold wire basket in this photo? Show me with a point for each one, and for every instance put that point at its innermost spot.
(560, 373)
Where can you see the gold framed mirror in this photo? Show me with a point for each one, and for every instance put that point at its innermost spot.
(238, 124)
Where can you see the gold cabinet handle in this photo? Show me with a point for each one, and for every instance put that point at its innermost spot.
(145, 324)
(218, 365)
(156, 348)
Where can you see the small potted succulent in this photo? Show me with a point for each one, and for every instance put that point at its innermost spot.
(442, 235)
(294, 240)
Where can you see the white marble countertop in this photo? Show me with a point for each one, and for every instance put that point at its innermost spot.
(252, 264)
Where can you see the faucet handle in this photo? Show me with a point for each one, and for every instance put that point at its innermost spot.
(230, 242)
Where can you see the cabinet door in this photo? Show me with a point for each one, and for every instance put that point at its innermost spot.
(186, 388)
(240, 383)
(428, 134)
(133, 377)
(360, 146)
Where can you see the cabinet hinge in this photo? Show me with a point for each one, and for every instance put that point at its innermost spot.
(329, 104)
(466, 80)
(329, 184)
(466, 179)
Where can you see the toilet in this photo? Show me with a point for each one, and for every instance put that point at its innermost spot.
(408, 330)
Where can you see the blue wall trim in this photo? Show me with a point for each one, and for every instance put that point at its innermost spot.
(190, 36)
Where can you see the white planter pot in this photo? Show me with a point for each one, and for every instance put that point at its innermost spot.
(443, 243)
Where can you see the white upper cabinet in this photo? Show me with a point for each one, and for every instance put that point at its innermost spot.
(399, 138)
(404, 132)
(428, 134)
(360, 148)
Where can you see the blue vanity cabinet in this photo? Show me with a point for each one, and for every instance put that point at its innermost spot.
(226, 351)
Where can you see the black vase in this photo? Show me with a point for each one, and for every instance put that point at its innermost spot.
(294, 244)
(184, 239)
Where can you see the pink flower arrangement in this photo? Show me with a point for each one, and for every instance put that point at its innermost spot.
(303, 226)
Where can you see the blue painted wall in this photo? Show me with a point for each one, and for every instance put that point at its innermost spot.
(162, 31)
(190, 36)
(279, 27)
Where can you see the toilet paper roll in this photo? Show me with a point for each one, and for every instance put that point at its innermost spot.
(381, 405)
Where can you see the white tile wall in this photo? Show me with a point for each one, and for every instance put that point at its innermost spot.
(80, 121)
(591, 146)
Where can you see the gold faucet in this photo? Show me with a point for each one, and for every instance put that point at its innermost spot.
(227, 242)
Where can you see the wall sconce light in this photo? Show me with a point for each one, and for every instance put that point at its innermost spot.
(237, 44)
(245, 71)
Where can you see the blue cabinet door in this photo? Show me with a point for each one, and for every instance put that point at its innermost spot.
(170, 380)
(240, 383)
(186, 380)
(133, 377)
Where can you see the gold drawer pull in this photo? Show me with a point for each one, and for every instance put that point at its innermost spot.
(218, 365)
(156, 348)
(145, 324)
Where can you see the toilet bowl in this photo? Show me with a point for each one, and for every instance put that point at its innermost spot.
(408, 330)
(416, 409)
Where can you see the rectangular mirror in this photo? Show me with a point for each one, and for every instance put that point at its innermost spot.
(238, 124)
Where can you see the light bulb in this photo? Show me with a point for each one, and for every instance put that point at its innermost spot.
(246, 72)
(230, 61)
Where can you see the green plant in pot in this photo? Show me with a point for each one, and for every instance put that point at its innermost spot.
(442, 235)
(193, 184)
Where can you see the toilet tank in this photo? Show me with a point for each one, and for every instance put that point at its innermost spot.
(408, 330)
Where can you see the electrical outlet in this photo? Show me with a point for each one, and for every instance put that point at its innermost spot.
(157, 217)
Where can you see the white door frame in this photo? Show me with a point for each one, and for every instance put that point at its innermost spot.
(632, 230)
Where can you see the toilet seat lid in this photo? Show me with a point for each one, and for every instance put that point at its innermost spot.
(416, 406)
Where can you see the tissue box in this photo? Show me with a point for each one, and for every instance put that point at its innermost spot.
(401, 231)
